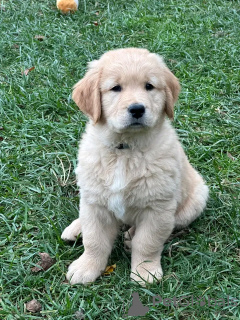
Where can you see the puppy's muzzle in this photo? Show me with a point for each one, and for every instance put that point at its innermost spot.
(137, 110)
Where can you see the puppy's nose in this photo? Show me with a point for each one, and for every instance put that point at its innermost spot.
(137, 110)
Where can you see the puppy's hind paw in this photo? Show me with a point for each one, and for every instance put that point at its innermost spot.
(72, 231)
(128, 235)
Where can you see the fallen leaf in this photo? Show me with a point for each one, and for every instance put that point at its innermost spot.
(39, 37)
(230, 156)
(220, 111)
(28, 70)
(33, 306)
(79, 315)
(44, 264)
(109, 269)
(172, 60)
(220, 33)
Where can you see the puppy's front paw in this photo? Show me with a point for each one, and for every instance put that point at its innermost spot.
(83, 270)
(72, 231)
(147, 274)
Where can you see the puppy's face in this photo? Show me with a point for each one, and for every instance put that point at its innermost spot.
(128, 89)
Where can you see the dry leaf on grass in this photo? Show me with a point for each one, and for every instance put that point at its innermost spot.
(79, 315)
(45, 263)
(39, 37)
(109, 269)
(28, 70)
(33, 306)
(172, 60)
(230, 156)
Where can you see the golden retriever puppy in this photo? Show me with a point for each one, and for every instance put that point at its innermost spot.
(131, 167)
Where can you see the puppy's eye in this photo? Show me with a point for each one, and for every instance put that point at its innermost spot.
(117, 88)
(149, 86)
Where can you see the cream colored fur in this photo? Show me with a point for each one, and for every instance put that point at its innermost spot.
(150, 185)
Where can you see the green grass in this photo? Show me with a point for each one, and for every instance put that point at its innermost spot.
(41, 127)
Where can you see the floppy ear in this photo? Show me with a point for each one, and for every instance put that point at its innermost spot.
(86, 93)
(172, 91)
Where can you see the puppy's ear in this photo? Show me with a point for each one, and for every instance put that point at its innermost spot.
(86, 93)
(172, 91)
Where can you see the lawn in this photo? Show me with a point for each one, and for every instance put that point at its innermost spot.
(42, 54)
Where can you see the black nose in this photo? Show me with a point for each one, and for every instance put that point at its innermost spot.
(137, 110)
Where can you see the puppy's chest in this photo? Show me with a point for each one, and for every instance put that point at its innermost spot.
(127, 186)
(117, 184)
(123, 184)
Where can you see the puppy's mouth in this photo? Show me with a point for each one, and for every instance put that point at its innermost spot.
(136, 125)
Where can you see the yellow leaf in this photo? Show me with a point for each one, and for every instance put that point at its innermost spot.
(39, 37)
(28, 70)
(109, 269)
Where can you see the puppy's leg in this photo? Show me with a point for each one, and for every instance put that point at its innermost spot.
(99, 230)
(193, 206)
(151, 232)
(72, 231)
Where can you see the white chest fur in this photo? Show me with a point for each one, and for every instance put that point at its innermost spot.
(116, 202)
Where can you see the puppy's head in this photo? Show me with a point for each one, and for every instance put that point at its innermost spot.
(128, 89)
